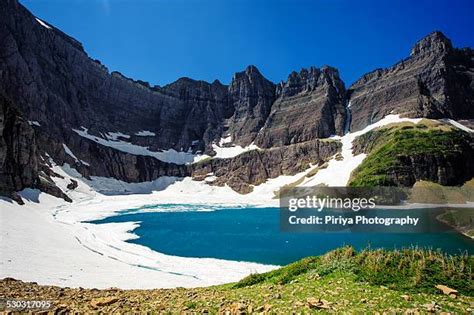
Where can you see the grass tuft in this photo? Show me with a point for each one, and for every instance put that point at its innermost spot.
(409, 270)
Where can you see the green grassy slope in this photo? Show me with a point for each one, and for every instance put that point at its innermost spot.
(387, 147)
(341, 281)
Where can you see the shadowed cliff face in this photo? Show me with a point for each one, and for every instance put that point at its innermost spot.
(252, 97)
(436, 81)
(18, 150)
(53, 82)
(21, 165)
(309, 105)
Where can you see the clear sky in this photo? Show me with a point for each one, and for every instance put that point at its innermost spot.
(161, 40)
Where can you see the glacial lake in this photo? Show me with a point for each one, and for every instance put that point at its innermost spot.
(253, 235)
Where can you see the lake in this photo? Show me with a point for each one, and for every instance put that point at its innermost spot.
(253, 234)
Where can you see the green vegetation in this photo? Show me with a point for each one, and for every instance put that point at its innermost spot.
(341, 281)
(460, 219)
(387, 147)
(408, 270)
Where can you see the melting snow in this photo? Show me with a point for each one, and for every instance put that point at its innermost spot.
(115, 135)
(69, 152)
(145, 133)
(98, 255)
(43, 24)
(231, 151)
(338, 172)
(225, 140)
(34, 123)
(456, 124)
(169, 156)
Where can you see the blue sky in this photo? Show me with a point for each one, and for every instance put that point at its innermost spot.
(161, 40)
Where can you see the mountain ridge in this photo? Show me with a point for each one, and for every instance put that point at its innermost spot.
(51, 81)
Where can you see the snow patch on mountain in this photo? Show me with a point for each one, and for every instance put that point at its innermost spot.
(225, 140)
(456, 124)
(225, 152)
(69, 152)
(34, 123)
(116, 136)
(43, 23)
(337, 173)
(113, 141)
(145, 133)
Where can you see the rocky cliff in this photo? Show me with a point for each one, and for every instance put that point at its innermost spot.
(252, 97)
(21, 164)
(105, 124)
(255, 167)
(435, 81)
(309, 105)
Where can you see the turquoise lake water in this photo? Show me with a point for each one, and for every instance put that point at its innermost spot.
(253, 234)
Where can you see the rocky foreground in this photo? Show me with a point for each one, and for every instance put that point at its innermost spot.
(340, 281)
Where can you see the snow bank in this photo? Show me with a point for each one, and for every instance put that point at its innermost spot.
(112, 141)
(230, 151)
(456, 124)
(145, 133)
(34, 123)
(225, 140)
(69, 152)
(43, 23)
(337, 172)
(115, 135)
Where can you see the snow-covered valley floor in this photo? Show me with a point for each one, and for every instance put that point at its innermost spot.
(47, 240)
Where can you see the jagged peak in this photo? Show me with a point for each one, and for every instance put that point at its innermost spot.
(313, 72)
(217, 82)
(307, 79)
(433, 42)
(250, 75)
(252, 70)
(330, 69)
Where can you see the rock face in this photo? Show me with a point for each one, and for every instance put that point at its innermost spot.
(18, 150)
(255, 167)
(309, 105)
(57, 87)
(252, 97)
(21, 165)
(436, 81)
(197, 122)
